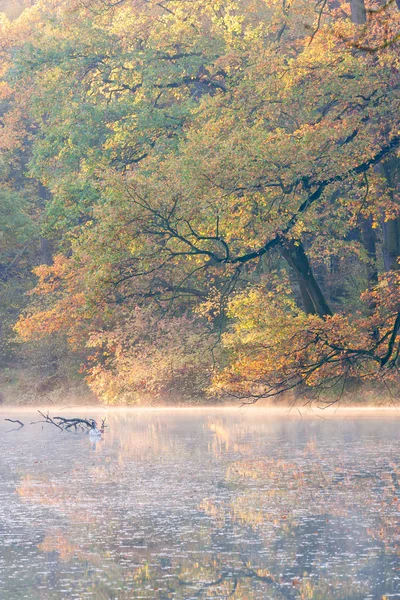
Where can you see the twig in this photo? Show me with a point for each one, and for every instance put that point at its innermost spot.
(21, 425)
(15, 421)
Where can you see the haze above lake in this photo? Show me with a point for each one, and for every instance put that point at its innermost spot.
(213, 503)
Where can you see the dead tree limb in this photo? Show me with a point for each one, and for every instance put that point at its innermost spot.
(76, 424)
(46, 419)
(15, 421)
(21, 425)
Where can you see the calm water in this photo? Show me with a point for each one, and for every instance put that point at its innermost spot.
(192, 504)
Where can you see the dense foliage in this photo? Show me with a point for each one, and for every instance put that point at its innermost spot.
(219, 186)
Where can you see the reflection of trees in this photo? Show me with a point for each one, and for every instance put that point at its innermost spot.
(57, 542)
(280, 524)
(318, 500)
(228, 584)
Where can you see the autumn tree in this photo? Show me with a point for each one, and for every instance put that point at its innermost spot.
(217, 176)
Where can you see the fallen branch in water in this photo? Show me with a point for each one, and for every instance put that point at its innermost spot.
(46, 419)
(15, 421)
(75, 424)
(21, 425)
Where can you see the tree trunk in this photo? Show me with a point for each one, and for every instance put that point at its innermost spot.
(391, 244)
(358, 12)
(46, 250)
(390, 169)
(368, 238)
(308, 304)
(312, 296)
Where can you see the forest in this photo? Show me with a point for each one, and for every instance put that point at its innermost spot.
(199, 200)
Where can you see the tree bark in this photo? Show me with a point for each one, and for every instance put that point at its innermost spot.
(390, 169)
(308, 304)
(46, 250)
(391, 244)
(313, 299)
(368, 238)
(358, 12)
(391, 229)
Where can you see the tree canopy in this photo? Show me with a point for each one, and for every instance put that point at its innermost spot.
(219, 186)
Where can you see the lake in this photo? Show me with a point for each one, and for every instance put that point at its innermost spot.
(191, 504)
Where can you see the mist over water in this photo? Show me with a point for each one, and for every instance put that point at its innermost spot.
(201, 504)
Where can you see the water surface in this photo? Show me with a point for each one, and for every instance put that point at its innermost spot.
(201, 504)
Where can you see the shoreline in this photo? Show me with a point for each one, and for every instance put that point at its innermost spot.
(298, 412)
